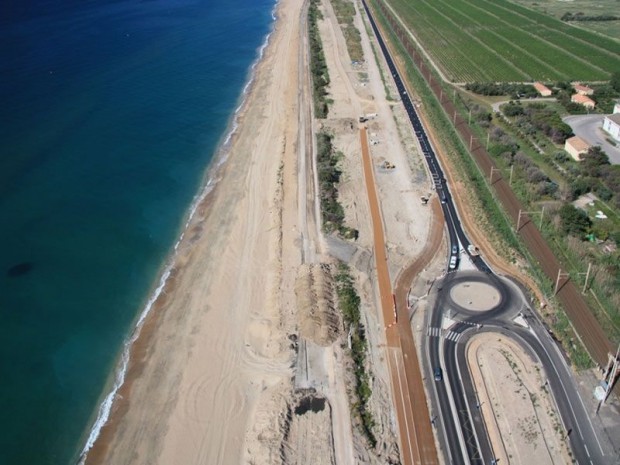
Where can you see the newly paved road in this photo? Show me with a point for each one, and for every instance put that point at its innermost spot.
(463, 444)
(583, 321)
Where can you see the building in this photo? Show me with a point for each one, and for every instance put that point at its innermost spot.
(543, 90)
(582, 90)
(611, 125)
(583, 100)
(617, 107)
(576, 146)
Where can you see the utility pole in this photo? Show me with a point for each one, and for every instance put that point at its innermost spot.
(521, 212)
(557, 281)
(585, 284)
(493, 169)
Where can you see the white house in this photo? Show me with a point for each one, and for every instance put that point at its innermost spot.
(611, 125)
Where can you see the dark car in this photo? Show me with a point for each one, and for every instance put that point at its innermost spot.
(438, 374)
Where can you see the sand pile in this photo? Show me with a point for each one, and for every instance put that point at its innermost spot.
(319, 320)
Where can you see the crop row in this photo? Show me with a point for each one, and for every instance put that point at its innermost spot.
(607, 44)
(450, 58)
(601, 52)
(484, 63)
(487, 41)
(550, 59)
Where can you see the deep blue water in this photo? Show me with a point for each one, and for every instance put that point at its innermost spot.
(111, 111)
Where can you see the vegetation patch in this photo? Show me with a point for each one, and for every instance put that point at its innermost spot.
(318, 66)
(349, 303)
(329, 177)
(557, 9)
(345, 14)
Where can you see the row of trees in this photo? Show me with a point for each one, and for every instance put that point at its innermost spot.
(515, 90)
(604, 94)
(329, 177)
(318, 66)
(538, 117)
(582, 17)
(349, 303)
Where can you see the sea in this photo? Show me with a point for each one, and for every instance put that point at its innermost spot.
(111, 113)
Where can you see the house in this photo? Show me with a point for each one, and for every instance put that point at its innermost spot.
(582, 90)
(583, 100)
(611, 125)
(576, 146)
(543, 90)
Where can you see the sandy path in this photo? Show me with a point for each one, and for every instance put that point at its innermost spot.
(216, 347)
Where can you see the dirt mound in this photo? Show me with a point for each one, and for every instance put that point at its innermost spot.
(319, 320)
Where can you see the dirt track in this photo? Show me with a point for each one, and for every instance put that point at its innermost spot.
(586, 326)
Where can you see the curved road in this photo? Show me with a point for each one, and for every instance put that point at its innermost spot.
(465, 439)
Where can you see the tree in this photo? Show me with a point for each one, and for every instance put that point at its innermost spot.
(593, 160)
(512, 109)
(574, 220)
(614, 82)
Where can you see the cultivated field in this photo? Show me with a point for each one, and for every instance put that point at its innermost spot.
(497, 40)
(557, 8)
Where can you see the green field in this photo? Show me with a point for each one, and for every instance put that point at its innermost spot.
(557, 8)
(496, 40)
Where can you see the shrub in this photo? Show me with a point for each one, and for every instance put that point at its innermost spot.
(574, 220)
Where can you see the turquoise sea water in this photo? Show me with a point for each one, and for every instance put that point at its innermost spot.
(111, 112)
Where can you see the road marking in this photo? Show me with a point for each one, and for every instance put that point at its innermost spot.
(433, 331)
(403, 403)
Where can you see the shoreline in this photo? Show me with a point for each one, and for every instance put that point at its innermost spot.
(127, 367)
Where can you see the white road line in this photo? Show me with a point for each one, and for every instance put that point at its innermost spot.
(400, 384)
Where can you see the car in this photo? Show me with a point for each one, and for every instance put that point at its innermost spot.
(438, 374)
(455, 250)
(453, 260)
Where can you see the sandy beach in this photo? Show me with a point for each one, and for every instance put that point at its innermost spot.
(213, 348)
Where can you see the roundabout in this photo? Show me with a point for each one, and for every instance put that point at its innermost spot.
(473, 294)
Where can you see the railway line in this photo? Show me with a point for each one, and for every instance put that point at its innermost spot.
(463, 435)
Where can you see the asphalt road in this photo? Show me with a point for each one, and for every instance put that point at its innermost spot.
(583, 321)
(589, 128)
(465, 440)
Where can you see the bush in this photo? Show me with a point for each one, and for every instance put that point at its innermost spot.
(574, 221)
